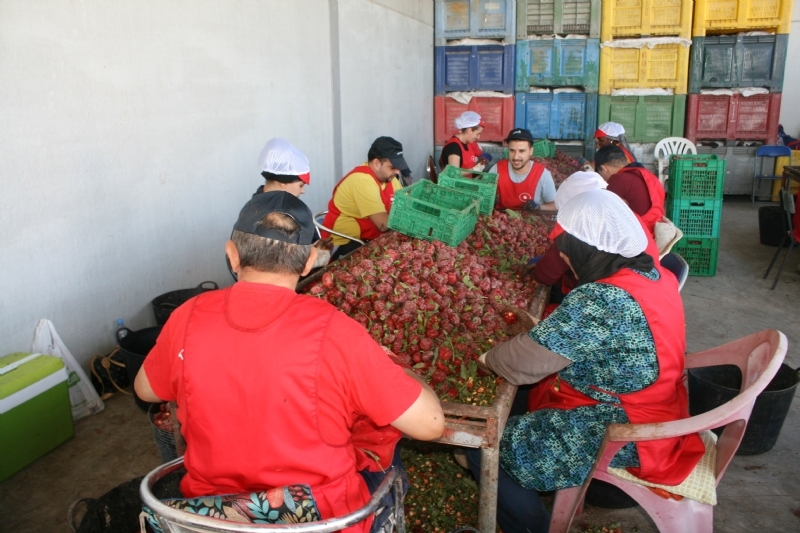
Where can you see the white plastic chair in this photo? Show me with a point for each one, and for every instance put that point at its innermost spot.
(669, 146)
(759, 357)
(320, 217)
(177, 521)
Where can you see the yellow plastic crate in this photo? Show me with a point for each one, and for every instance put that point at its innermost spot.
(664, 66)
(635, 18)
(781, 162)
(725, 16)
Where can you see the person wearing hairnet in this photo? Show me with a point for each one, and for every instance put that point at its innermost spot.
(637, 186)
(550, 268)
(462, 150)
(285, 168)
(612, 352)
(613, 134)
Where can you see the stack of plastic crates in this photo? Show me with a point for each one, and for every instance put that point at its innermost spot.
(474, 68)
(644, 65)
(736, 78)
(558, 49)
(694, 204)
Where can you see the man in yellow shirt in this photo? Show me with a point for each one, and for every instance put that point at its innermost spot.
(361, 201)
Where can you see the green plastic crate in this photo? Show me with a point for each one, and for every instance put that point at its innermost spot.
(646, 119)
(483, 185)
(544, 148)
(701, 254)
(696, 177)
(695, 218)
(431, 212)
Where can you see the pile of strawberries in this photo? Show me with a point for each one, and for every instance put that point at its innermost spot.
(439, 308)
(561, 166)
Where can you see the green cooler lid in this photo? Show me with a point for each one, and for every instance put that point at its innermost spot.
(27, 373)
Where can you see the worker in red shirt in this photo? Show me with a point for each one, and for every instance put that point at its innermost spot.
(462, 150)
(523, 183)
(274, 388)
(613, 134)
(640, 188)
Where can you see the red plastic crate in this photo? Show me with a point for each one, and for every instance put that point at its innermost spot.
(735, 117)
(497, 115)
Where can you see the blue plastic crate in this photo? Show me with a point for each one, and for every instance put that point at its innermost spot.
(558, 63)
(474, 68)
(562, 116)
(475, 19)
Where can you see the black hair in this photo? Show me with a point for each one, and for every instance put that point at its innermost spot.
(281, 178)
(610, 154)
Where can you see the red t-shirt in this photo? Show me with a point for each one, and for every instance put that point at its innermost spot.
(632, 188)
(227, 394)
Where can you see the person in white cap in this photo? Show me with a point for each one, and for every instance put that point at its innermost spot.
(462, 150)
(285, 168)
(611, 133)
(550, 268)
(523, 183)
(612, 352)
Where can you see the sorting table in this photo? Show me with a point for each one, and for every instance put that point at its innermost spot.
(478, 426)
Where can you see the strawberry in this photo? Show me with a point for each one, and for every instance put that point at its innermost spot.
(327, 280)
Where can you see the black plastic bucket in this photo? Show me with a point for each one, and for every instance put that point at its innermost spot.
(165, 304)
(165, 440)
(712, 386)
(770, 225)
(135, 345)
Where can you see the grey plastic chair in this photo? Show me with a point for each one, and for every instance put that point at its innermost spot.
(678, 266)
(175, 521)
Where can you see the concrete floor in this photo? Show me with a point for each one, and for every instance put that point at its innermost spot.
(758, 493)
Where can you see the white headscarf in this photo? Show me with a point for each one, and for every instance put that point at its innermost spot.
(600, 218)
(279, 157)
(577, 183)
(468, 119)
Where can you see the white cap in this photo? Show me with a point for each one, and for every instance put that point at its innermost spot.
(610, 129)
(577, 183)
(279, 157)
(602, 219)
(468, 119)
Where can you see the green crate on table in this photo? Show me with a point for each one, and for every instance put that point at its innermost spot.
(695, 217)
(483, 185)
(701, 254)
(696, 176)
(544, 148)
(432, 212)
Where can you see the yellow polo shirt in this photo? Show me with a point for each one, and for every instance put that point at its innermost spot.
(357, 197)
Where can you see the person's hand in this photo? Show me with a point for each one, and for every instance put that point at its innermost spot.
(529, 267)
(530, 205)
(325, 244)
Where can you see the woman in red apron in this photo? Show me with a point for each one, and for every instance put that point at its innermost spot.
(612, 352)
(611, 133)
(462, 149)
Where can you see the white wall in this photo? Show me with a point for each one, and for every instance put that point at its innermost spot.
(790, 111)
(131, 130)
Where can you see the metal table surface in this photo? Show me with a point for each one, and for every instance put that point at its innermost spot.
(477, 426)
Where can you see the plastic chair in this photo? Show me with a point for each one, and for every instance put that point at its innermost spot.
(430, 167)
(762, 152)
(791, 231)
(678, 266)
(319, 217)
(176, 521)
(669, 146)
(759, 356)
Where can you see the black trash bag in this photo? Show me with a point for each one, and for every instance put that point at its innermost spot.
(117, 511)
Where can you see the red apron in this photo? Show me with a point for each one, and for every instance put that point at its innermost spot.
(220, 456)
(469, 155)
(666, 461)
(512, 195)
(657, 196)
(368, 228)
